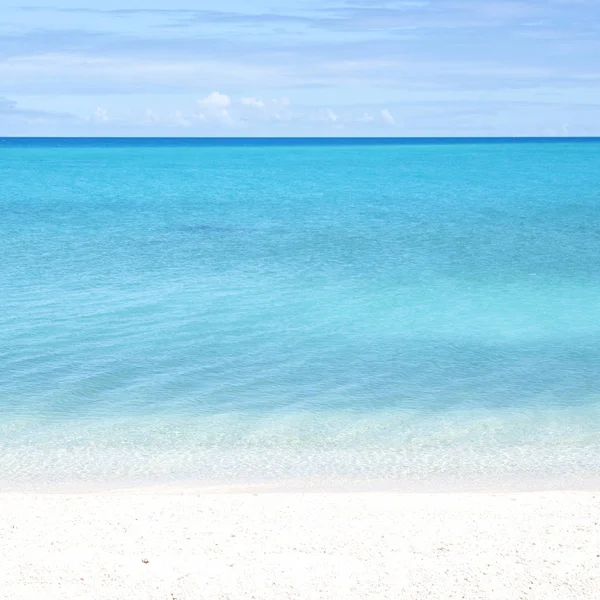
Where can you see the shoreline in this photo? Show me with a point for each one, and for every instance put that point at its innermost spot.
(327, 485)
(174, 543)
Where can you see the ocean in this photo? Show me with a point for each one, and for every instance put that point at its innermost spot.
(311, 314)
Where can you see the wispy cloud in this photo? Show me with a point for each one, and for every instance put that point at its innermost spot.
(20, 119)
(359, 15)
(101, 115)
(387, 117)
(329, 116)
(397, 65)
(215, 100)
(10, 109)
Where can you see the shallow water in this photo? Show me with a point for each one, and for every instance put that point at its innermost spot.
(419, 315)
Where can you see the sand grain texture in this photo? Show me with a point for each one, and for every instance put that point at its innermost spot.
(168, 545)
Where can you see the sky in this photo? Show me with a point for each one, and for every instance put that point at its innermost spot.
(300, 68)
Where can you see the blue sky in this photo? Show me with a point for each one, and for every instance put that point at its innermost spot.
(300, 67)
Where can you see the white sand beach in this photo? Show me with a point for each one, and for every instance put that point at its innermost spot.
(170, 544)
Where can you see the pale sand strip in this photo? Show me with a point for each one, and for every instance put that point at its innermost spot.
(241, 545)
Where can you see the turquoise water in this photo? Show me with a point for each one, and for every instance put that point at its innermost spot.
(416, 315)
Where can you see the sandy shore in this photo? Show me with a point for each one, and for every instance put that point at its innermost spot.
(172, 545)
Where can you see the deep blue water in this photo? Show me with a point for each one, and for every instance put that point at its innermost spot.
(411, 313)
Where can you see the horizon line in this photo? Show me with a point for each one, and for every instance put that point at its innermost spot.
(24, 141)
(304, 137)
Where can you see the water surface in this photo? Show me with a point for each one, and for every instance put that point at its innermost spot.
(418, 314)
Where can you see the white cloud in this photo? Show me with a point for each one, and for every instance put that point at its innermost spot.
(150, 117)
(101, 115)
(366, 118)
(214, 108)
(387, 117)
(224, 116)
(215, 100)
(253, 102)
(264, 109)
(330, 116)
(180, 119)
